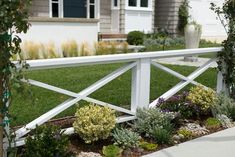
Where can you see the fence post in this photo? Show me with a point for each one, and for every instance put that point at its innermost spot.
(140, 90)
(221, 86)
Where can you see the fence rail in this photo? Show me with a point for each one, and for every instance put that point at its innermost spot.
(139, 63)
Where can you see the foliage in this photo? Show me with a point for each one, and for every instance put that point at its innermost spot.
(212, 123)
(148, 146)
(70, 49)
(178, 103)
(225, 105)
(112, 151)
(168, 42)
(84, 49)
(46, 141)
(183, 16)
(126, 138)
(204, 98)
(224, 120)
(13, 20)
(135, 38)
(226, 57)
(150, 119)
(187, 134)
(162, 135)
(31, 50)
(94, 122)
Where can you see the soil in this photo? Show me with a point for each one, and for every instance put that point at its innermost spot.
(77, 145)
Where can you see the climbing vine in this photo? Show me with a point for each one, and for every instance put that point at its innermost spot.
(183, 16)
(13, 20)
(226, 58)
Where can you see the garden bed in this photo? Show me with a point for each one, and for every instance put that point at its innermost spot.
(183, 117)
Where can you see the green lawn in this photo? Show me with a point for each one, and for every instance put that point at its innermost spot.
(27, 108)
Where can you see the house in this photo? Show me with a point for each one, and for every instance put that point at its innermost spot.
(81, 20)
(166, 16)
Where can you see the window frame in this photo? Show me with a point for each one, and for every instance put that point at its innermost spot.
(60, 8)
(115, 7)
(138, 7)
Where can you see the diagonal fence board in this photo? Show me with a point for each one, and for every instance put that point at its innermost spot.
(70, 102)
(75, 95)
(183, 83)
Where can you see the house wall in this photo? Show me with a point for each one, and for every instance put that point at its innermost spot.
(105, 16)
(39, 8)
(58, 31)
(140, 19)
(212, 28)
(166, 14)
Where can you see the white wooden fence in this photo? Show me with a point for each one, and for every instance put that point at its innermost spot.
(140, 63)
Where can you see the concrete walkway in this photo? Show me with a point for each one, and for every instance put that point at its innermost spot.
(180, 61)
(220, 144)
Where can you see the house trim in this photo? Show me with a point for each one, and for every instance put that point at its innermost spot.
(138, 8)
(75, 20)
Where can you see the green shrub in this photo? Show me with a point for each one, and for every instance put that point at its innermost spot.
(126, 138)
(47, 141)
(225, 105)
(162, 136)
(135, 38)
(183, 16)
(112, 151)
(148, 146)
(187, 134)
(94, 122)
(202, 97)
(150, 119)
(178, 103)
(212, 123)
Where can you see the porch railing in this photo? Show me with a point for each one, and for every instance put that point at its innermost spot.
(140, 63)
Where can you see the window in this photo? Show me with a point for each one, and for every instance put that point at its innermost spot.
(92, 9)
(132, 3)
(55, 8)
(115, 3)
(144, 3)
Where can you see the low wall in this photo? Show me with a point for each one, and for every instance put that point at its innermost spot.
(58, 31)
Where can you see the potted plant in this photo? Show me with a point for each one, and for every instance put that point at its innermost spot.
(193, 32)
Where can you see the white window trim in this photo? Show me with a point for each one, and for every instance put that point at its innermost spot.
(95, 7)
(115, 7)
(61, 8)
(138, 8)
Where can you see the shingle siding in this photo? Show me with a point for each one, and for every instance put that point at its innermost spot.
(105, 16)
(166, 14)
(39, 8)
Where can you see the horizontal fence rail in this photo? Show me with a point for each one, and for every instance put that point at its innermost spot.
(139, 63)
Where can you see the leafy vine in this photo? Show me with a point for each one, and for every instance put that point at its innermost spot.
(13, 20)
(226, 58)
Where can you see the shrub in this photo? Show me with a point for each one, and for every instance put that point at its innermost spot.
(126, 138)
(135, 38)
(162, 136)
(187, 134)
(112, 151)
(224, 120)
(212, 123)
(204, 98)
(178, 103)
(149, 119)
(94, 122)
(225, 105)
(148, 146)
(70, 49)
(47, 141)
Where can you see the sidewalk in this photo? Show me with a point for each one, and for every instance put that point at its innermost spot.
(220, 144)
(180, 61)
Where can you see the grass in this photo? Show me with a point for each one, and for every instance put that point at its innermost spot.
(27, 108)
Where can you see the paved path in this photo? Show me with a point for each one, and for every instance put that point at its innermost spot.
(180, 61)
(220, 144)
